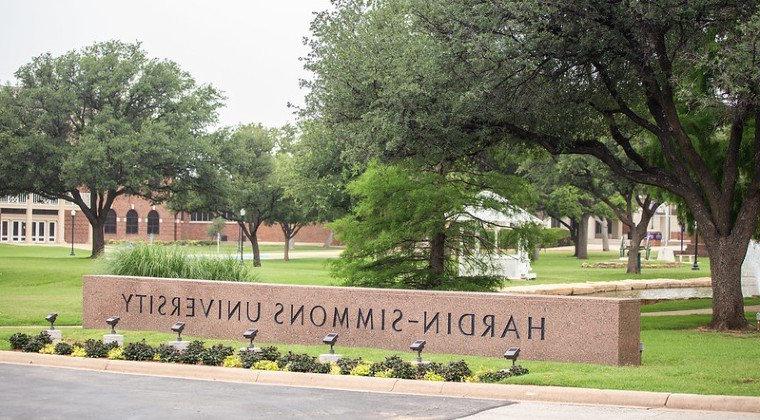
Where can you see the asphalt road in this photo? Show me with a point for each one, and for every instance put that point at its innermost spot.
(39, 392)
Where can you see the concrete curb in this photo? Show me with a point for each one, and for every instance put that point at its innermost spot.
(398, 386)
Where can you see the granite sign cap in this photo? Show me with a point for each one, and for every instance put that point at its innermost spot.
(559, 328)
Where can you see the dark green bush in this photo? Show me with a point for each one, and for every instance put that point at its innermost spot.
(249, 357)
(346, 364)
(270, 353)
(19, 340)
(96, 348)
(302, 363)
(192, 355)
(63, 349)
(456, 371)
(214, 355)
(500, 375)
(139, 351)
(36, 343)
(398, 367)
(167, 354)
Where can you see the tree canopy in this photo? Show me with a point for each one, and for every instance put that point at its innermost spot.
(102, 121)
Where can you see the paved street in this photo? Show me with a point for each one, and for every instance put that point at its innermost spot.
(40, 392)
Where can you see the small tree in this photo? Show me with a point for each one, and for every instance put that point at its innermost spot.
(91, 125)
(215, 229)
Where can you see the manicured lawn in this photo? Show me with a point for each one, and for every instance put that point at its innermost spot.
(230, 248)
(680, 305)
(562, 267)
(35, 280)
(677, 358)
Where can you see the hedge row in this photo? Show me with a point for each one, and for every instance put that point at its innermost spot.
(267, 358)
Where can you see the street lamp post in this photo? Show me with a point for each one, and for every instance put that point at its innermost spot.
(695, 266)
(73, 213)
(240, 234)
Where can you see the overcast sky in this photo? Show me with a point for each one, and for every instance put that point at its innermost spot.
(248, 49)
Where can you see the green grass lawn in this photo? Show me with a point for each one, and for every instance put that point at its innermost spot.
(562, 267)
(36, 280)
(677, 358)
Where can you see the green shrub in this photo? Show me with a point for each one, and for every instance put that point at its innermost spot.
(348, 364)
(97, 349)
(432, 376)
(302, 363)
(362, 369)
(500, 375)
(270, 353)
(19, 340)
(47, 349)
(215, 355)
(172, 262)
(64, 349)
(36, 343)
(167, 354)
(456, 371)
(139, 351)
(398, 368)
(192, 355)
(249, 357)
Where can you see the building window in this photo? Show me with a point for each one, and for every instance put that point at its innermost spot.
(110, 225)
(132, 222)
(200, 216)
(153, 222)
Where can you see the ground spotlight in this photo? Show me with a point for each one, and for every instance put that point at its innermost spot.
(250, 335)
(51, 319)
(512, 354)
(178, 328)
(331, 339)
(112, 321)
(418, 346)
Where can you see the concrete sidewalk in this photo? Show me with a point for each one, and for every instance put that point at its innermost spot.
(706, 311)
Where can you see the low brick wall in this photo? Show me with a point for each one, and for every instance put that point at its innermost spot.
(573, 329)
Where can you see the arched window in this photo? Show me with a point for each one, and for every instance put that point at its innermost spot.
(110, 225)
(132, 222)
(153, 223)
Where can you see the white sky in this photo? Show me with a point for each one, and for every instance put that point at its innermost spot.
(247, 49)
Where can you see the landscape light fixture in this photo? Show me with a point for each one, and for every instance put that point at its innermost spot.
(178, 327)
(250, 335)
(641, 348)
(51, 319)
(757, 317)
(695, 266)
(418, 346)
(112, 321)
(331, 339)
(512, 354)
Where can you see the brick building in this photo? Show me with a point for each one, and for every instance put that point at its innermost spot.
(29, 218)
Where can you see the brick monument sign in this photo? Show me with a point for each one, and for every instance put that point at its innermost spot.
(558, 328)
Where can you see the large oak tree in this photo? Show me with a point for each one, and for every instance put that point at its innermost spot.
(664, 93)
(101, 122)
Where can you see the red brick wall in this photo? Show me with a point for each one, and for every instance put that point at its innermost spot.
(81, 229)
(182, 229)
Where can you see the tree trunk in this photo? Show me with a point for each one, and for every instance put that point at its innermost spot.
(726, 256)
(605, 235)
(574, 236)
(329, 239)
(255, 246)
(286, 251)
(633, 251)
(98, 240)
(581, 248)
(437, 261)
